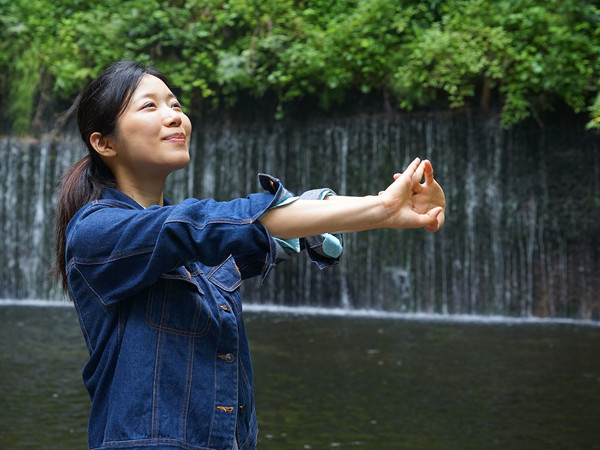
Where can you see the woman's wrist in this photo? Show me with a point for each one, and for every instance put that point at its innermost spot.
(364, 213)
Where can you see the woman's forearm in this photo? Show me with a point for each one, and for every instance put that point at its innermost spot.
(335, 214)
(404, 204)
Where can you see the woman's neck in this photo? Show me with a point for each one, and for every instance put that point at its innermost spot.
(146, 195)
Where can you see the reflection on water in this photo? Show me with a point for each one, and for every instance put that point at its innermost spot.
(325, 382)
(44, 403)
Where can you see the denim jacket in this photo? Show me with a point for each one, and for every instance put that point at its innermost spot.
(156, 292)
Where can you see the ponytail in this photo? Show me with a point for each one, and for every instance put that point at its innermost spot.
(81, 184)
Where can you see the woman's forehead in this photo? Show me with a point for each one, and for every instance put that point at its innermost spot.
(151, 86)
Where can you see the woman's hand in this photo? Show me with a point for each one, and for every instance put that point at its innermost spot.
(428, 195)
(414, 203)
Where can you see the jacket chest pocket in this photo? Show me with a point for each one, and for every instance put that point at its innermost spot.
(225, 276)
(177, 306)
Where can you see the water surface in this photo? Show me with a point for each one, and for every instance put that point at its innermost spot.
(329, 381)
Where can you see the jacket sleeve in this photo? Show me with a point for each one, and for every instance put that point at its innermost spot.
(117, 250)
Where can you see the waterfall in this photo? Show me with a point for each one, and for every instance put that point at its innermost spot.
(29, 172)
(522, 229)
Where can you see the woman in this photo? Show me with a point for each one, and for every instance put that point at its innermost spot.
(156, 285)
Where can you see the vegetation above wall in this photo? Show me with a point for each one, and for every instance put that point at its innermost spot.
(524, 57)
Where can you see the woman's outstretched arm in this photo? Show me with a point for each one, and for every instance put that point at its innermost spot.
(406, 203)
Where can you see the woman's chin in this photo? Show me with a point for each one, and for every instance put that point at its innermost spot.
(179, 163)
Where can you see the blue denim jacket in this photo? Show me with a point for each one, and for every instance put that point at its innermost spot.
(156, 291)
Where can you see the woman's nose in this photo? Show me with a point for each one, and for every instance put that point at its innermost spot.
(172, 118)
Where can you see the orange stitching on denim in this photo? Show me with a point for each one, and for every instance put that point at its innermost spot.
(225, 408)
(188, 388)
(212, 221)
(210, 276)
(113, 257)
(156, 390)
(212, 424)
(94, 293)
(236, 268)
(160, 326)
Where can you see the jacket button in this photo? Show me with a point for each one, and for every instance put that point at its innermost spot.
(242, 409)
(229, 357)
(226, 308)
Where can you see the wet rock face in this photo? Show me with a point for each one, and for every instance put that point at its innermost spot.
(522, 229)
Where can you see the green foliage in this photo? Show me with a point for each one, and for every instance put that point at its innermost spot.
(24, 80)
(595, 114)
(529, 55)
(534, 52)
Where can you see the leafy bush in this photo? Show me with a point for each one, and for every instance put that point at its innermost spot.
(526, 56)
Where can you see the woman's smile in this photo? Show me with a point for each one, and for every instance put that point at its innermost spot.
(177, 138)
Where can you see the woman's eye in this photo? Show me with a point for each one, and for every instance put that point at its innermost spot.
(176, 105)
(149, 105)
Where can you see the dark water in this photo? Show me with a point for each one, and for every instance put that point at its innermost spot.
(326, 382)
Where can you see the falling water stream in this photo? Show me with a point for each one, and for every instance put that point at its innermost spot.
(523, 216)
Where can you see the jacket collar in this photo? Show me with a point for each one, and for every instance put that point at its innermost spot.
(115, 194)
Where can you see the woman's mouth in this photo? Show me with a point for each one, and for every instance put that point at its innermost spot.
(176, 138)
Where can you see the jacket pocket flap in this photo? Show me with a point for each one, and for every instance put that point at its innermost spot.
(225, 276)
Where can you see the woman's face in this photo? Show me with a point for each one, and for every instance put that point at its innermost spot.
(152, 134)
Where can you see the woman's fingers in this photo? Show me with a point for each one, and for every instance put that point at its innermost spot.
(428, 171)
(418, 175)
(423, 168)
(438, 216)
(412, 168)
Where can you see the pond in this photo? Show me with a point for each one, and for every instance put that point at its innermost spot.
(359, 381)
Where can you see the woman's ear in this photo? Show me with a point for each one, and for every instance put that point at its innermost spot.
(103, 145)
